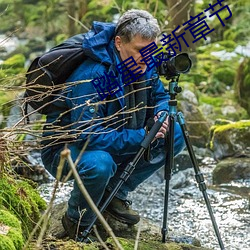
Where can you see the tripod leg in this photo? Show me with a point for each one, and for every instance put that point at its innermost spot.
(199, 177)
(168, 173)
(129, 169)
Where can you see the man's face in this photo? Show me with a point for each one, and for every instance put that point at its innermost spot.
(132, 49)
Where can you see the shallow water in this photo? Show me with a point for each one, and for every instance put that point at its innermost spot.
(188, 215)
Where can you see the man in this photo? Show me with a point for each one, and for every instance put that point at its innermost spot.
(111, 128)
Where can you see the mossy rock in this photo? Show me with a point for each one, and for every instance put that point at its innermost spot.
(221, 106)
(150, 235)
(10, 231)
(128, 244)
(224, 75)
(231, 169)
(22, 200)
(232, 139)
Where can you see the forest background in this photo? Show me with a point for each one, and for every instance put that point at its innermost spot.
(216, 72)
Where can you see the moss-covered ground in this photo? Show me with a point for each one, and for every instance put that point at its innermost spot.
(20, 209)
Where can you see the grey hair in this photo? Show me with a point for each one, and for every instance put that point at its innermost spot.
(137, 22)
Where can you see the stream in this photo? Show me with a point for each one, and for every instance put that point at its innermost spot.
(187, 212)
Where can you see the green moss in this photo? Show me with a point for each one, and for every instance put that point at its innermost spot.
(13, 239)
(22, 200)
(13, 71)
(229, 45)
(6, 243)
(212, 100)
(224, 75)
(9, 219)
(128, 244)
(16, 237)
(236, 125)
(239, 128)
(16, 61)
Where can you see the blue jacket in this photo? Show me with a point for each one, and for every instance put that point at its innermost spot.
(89, 118)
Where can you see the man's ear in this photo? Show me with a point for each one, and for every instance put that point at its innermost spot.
(118, 43)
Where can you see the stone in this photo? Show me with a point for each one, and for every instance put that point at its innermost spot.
(197, 125)
(231, 169)
(150, 235)
(230, 140)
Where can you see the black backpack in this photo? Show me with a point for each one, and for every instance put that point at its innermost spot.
(48, 73)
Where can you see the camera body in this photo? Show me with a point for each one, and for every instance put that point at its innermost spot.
(172, 65)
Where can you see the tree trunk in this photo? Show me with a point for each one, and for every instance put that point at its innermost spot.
(180, 12)
(72, 14)
(83, 7)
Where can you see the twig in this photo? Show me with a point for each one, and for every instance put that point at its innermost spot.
(77, 21)
(137, 236)
(99, 238)
(66, 154)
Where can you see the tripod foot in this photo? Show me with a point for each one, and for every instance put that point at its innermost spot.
(164, 232)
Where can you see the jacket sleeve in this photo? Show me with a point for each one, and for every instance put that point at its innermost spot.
(159, 95)
(88, 120)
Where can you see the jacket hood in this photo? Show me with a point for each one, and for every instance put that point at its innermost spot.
(98, 43)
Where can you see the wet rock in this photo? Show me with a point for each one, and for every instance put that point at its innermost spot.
(150, 234)
(231, 169)
(31, 167)
(181, 179)
(197, 125)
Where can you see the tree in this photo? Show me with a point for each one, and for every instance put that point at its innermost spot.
(180, 12)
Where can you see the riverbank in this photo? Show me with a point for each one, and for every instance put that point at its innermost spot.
(188, 215)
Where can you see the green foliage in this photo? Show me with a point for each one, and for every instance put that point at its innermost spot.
(213, 73)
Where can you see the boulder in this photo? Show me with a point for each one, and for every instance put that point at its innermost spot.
(150, 235)
(231, 139)
(197, 125)
(231, 169)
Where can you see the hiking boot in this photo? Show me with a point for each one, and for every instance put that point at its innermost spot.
(75, 231)
(121, 211)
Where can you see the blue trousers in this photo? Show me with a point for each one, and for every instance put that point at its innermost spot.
(100, 170)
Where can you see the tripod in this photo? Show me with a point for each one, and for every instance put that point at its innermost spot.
(173, 90)
(169, 163)
(129, 169)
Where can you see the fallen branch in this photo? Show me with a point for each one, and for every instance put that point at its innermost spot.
(66, 154)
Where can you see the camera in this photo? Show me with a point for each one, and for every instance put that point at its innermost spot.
(172, 66)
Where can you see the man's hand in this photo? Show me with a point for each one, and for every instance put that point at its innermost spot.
(164, 128)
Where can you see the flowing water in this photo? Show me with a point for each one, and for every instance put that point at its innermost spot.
(187, 212)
